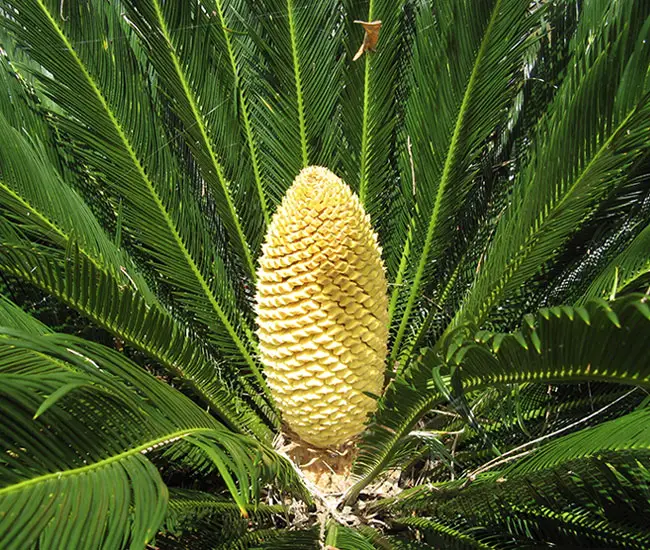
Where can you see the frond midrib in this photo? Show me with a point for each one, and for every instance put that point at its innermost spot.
(139, 449)
(50, 224)
(199, 122)
(365, 138)
(250, 139)
(427, 398)
(444, 180)
(158, 202)
(476, 384)
(298, 82)
(445, 530)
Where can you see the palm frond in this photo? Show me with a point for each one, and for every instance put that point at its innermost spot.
(584, 148)
(468, 69)
(629, 432)
(184, 504)
(345, 538)
(515, 420)
(501, 150)
(75, 280)
(196, 518)
(299, 73)
(624, 272)
(14, 317)
(550, 347)
(369, 103)
(115, 115)
(45, 209)
(275, 539)
(103, 415)
(201, 88)
(596, 501)
(449, 536)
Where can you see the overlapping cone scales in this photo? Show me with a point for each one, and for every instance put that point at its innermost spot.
(322, 310)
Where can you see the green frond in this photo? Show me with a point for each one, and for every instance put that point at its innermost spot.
(370, 101)
(461, 85)
(584, 148)
(402, 544)
(629, 432)
(501, 150)
(99, 83)
(21, 104)
(275, 539)
(599, 501)
(517, 419)
(184, 503)
(624, 272)
(345, 538)
(186, 52)
(103, 415)
(95, 293)
(46, 209)
(447, 536)
(44, 468)
(298, 75)
(626, 434)
(573, 529)
(599, 341)
(14, 317)
(195, 518)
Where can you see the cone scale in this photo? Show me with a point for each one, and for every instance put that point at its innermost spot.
(322, 310)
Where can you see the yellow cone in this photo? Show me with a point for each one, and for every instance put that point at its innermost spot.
(322, 309)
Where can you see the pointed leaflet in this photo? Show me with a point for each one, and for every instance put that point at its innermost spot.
(295, 90)
(102, 86)
(36, 199)
(627, 269)
(461, 83)
(596, 129)
(595, 502)
(76, 281)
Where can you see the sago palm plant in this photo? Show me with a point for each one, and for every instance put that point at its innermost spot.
(436, 337)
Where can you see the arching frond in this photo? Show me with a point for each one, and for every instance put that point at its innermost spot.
(584, 150)
(103, 415)
(344, 538)
(550, 347)
(95, 293)
(448, 536)
(500, 149)
(275, 539)
(105, 89)
(195, 518)
(89, 271)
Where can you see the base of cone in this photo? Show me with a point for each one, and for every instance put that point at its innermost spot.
(327, 469)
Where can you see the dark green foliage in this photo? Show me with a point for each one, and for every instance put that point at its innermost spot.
(500, 148)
